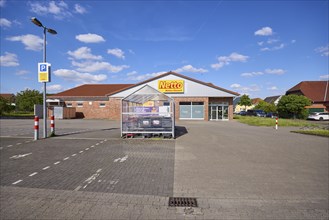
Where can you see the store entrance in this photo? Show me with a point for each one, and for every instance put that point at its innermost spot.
(218, 112)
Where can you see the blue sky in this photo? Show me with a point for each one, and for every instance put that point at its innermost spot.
(259, 48)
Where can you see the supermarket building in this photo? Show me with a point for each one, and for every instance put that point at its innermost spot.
(194, 99)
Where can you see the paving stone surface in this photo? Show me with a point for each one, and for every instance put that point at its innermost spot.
(235, 172)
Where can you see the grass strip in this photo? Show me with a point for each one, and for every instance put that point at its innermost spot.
(260, 121)
(317, 132)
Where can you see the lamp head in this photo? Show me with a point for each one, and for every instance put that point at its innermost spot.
(51, 31)
(36, 22)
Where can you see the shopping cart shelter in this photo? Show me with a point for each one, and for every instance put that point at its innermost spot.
(147, 112)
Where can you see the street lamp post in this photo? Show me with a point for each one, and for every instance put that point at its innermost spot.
(45, 29)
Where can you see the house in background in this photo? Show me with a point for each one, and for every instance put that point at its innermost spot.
(238, 108)
(10, 98)
(273, 99)
(316, 91)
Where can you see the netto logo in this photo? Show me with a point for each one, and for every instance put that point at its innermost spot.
(171, 84)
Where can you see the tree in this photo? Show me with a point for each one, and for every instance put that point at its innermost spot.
(245, 101)
(25, 100)
(3, 105)
(293, 106)
(266, 107)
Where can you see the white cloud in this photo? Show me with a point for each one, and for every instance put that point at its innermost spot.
(59, 9)
(272, 41)
(79, 9)
(273, 88)
(9, 59)
(190, 68)
(324, 77)
(145, 76)
(275, 71)
(90, 38)
(278, 47)
(260, 43)
(265, 31)
(324, 51)
(90, 66)
(55, 87)
(252, 74)
(31, 42)
(235, 86)
(2, 3)
(116, 52)
(22, 72)
(226, 60)
(83, 53)
(75, 76)
(132, 73)
(4, 22)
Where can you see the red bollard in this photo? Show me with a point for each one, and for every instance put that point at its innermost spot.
(52, 125)
(36, 128)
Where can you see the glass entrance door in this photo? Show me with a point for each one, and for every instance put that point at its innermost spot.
(218, 112)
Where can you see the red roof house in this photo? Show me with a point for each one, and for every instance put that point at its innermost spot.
(316, 91)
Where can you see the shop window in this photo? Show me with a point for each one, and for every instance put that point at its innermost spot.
(80, 104)
(191, 110)
(69, 104)
(102, 105)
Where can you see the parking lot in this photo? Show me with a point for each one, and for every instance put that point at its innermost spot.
(235, 171)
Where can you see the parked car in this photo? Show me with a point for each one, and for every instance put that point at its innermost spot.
(243, 113)
(272, 115)
(319, 116)
(259, 113)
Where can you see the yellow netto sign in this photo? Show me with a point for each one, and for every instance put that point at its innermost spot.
(171, 86)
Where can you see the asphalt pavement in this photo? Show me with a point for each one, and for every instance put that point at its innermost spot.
(235, 171)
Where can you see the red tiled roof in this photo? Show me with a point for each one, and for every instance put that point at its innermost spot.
(7, 96)
(317, 91)
(256, 100)
(179, 75)
(92, 90)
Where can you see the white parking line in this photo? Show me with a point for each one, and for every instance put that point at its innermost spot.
(66, 158)
(87, 148)
(81, 152)
(18, 181)
(46, 168)
(18, 143)
(92, 146)
(9, 145)
(97, 144)
(73, 155)
(32, 174)
(57, 162)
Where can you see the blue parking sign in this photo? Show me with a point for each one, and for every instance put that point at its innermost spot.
(43, 67)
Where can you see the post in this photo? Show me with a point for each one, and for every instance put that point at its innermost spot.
(44, 88)
(276, 124)
(52, 125)
(36, 128)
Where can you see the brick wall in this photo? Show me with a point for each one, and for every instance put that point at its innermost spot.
(91, 109)
(112, 109)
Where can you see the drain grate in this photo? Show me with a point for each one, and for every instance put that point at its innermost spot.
(182, 202)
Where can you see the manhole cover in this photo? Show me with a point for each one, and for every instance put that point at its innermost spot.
(182, 202)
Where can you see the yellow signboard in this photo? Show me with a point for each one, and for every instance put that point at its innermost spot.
(171, 86)
(43, 77)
